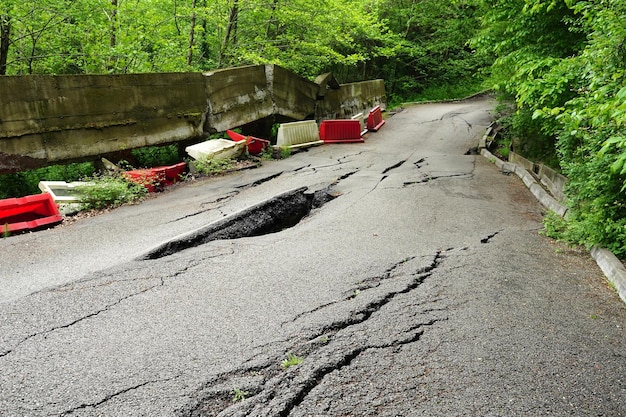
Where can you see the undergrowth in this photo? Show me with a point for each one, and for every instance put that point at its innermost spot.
(213, 166)
(442, 92)
(109, 191)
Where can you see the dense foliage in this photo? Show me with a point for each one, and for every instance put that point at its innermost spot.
(411, 44)
(563, 62)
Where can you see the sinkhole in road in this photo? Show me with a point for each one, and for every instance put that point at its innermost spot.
(278, 213)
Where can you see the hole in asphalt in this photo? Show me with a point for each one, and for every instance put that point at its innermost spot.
(271, 216)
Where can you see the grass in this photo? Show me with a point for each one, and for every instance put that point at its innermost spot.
(213, 166)
(292, 360)
(239, 394)
(25, 183)
(152, 156)
(443, 92)
(285, 152)
(267, 154)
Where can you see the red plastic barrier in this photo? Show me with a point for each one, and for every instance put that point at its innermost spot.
(337, 131)
(28, 213)
(255, 145)
(151, 178)
(156, 178)
(174, 173)
(375, 119)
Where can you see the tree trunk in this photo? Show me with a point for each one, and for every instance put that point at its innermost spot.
(268, 34)
(205, 47)
(5, 37)
(231, 32)
(112, 35)
(191, 33)
(113, 24)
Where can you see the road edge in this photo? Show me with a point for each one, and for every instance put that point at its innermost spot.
(612, 267)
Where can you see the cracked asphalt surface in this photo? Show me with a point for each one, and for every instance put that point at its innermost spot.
(420, 286)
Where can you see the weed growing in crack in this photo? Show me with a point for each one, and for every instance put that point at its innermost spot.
(612, 286)
(5, 232)
(267, 154)
(285, 152)
(292, 360)
(239, 394)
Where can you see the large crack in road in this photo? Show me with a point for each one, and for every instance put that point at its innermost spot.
(270, 216)
(271, 390)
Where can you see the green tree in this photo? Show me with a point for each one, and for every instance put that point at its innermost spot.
(563, 64)
(431, 44)
(416, 43)
(592, 141)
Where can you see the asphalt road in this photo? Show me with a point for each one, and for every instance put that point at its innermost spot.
(418, 284)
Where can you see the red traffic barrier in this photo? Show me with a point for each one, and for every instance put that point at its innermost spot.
(28, 213)
(254, 145)
(151, 178)
(156, 178)
(175, 173)
(375, 119)
(338, 131)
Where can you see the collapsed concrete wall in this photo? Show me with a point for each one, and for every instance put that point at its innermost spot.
(351, 99)
(46, 119)
(56, 119)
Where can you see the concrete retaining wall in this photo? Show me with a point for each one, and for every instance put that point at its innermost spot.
(551, 179)
(352, 99)
(56, 119)
(519, 160)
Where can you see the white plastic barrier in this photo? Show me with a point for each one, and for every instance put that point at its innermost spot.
(216, 148)
(362, 120)
(65, 194)
(298, 135)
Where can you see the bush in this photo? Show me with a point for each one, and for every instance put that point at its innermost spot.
(26, 182)
(213, 166)
(110, 192)
(153, 156)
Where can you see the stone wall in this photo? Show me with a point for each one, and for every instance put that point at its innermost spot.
(58, 119)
